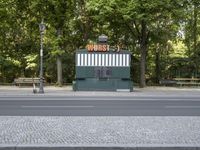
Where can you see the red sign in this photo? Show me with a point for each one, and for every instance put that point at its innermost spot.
(97, 47)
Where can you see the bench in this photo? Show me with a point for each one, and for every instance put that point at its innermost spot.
(27, 81)
(187, 81)
(167, 82)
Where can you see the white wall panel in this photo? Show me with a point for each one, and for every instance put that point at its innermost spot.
(124, 59)
(127, 60)
(96, 60)
(99, 64)
(85, 59)
(107, 60)
(78, 60)
(92, 60)
(113, 60)
(103, 60)
(117, 60)
(89, 60)
(120, 60)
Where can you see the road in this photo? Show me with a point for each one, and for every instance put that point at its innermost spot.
(99, 106)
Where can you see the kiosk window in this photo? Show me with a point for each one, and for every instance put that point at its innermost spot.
(102, 72)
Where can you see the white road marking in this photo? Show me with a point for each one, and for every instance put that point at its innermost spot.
(24, 106)
(182, 107)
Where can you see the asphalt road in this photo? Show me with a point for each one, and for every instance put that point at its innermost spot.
(99, 106)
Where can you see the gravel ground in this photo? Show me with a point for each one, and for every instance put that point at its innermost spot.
(125, 131)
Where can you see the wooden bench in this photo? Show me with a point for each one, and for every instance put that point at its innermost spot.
(187, 81)
(27, 81)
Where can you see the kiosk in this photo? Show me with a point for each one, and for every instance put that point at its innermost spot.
(99, 68)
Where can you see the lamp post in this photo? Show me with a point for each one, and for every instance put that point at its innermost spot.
(42, 28)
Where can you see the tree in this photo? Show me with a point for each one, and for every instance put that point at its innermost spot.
(57, 15)
(191, 31)
(144, 27)
(139, 17)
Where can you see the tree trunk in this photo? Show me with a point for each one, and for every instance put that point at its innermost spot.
(195, 28)
(59, 62)
(143, 52)
(59, 71)
(195, 35)
(157, 63)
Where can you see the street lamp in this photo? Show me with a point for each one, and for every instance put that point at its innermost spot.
(42, 28)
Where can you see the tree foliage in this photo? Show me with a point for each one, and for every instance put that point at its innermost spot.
(163, 36)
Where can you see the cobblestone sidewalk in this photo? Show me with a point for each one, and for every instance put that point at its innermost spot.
(100, 131)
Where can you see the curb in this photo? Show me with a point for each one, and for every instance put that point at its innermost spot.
(68, 147)
(99, 148)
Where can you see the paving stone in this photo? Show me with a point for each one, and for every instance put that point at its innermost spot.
(100, 130)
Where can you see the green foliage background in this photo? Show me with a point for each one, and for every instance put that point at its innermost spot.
(172, 35)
